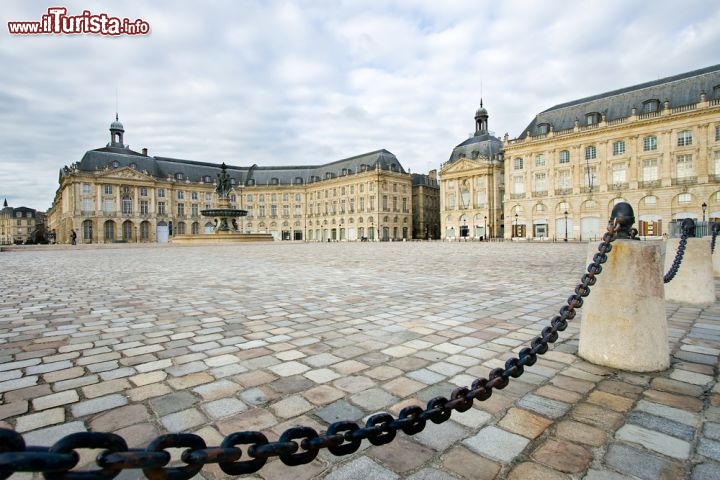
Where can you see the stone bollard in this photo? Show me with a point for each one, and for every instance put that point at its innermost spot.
(623, 319)
(694, 283)
(623, 323)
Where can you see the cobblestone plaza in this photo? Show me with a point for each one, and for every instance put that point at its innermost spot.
(143, 340)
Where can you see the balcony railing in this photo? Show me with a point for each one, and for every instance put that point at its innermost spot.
(649, 184)
(618, 186)
(516, 196)
(563, 191)
(684, 181)
(539, 194)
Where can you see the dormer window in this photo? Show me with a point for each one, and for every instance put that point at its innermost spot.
(207, 179)
(716, 92)
(651, 106)
(273, 181)
(543, 128)
(328, 175)
(133, 166)
(298, 181)
(251, 182)
(179, 176)
(363, 167)
(232, 180)
(592, 118)
(115, 164)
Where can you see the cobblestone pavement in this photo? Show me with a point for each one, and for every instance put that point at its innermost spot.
(217, 339)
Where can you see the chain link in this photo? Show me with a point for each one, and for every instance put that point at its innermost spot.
(685, 229)
(297, 445)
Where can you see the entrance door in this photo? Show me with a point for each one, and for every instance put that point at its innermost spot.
(162, 232)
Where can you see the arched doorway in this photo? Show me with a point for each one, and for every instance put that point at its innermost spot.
(109, 231)
(87, 228)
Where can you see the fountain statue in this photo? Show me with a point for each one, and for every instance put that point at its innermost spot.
(226, 227)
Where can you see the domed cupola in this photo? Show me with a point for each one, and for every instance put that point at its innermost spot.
(116, 133)
(481, 120)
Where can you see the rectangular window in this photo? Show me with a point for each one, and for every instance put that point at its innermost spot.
(405, 204)
(540, 182)
(362, 204)
(286, 210)
(87, 204)
(717, 133)
(352, 205)
(372, 202)
(107, 189)
(618, 147)
(590, 179)
(298, 210)
(684, 138)
(619, 174)
(161, 193)
(180, 195)
(540, 161)
(650, 170)
(262, 198)
(649, 144)
(451, 200)
(298, 197)
(262, 210)
(285, 197)
(161, 208)
(385, 203)
(126, 206)
(684, 198)
(564, 156)
(273, 210)
(518, 184)
(194, 195)
(194, 210)
(590, 152)
(143, 191)
(181, 209)
(86, 188)
(108, 205)
(273, 197)
(144, 207)
(208, 196)
(685, 166)
(248, 198)
(717, 162)
(518, 164)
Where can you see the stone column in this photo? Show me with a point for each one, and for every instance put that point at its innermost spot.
(694, 283)
(623, 318)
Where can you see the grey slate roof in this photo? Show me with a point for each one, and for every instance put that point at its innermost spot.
(679, 90)
(478, 145)
(164, 167)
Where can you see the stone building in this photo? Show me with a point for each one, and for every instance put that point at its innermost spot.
(655, 145)
(115, 194)
(20, 225)
(425, 206)
(471, 186)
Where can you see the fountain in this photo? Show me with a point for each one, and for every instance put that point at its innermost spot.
(226, 229)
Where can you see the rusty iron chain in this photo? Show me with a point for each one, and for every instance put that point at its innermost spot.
(297, 445)
(677, 261)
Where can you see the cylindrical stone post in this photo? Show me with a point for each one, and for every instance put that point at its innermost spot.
(623, 318)
(694, 283)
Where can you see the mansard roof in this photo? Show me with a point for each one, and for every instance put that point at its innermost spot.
(678, 90)
(163, 168)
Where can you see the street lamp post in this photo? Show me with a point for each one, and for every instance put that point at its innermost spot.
(515, 234)
(566, 214)
(485, 227)
(704, 225)
(704, 207)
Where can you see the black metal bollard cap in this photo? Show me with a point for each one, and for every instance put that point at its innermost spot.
(625, 216)
(688, 227)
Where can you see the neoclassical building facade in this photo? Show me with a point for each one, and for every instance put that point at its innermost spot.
(115, 194)
(654, 145)
(18, 225)
(471, 186)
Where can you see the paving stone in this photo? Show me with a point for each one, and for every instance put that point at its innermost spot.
(597, 416)
(496, 444)
(647, 466)
(544, 406)
(174, 402)
(42, 419)
(534, 471)
(97, 405)
(709, 448)
(48, 436)
(216, 390)
(361, 468)
(291, 407)
(706, 471)
(183, 420)
(55, 400)
(224, 407)
(373, 399)
(13, 409)
(467, 464)
(431, 474)
(401, 455)
(616, 403)
(671, 413)
(663, 425)
(120, 418)
(340, 410)
(323, 394)
(525, 423)
(656, 441)
(440, 436)
(581, 433)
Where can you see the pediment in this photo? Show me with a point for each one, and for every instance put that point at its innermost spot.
(126, 173)
(461, 165)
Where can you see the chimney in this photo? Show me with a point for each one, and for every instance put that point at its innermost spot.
(144, 151)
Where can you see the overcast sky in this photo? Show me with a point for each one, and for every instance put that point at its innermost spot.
(311, 82)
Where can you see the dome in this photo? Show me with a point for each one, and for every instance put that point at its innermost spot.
(481, 112)
(116, 125)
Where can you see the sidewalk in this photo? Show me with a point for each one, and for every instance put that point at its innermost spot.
(216, 339)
